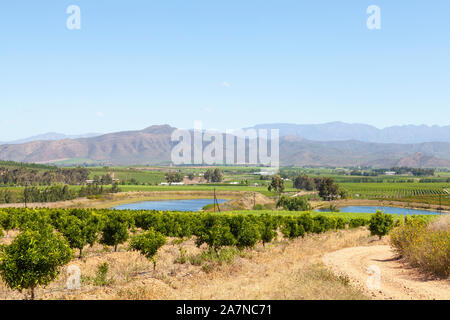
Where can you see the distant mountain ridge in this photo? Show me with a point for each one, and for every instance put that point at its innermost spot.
(152, 145)
(52, 136)
(340, 131)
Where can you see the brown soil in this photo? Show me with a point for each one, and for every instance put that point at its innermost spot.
(247, 201)
(397, 280)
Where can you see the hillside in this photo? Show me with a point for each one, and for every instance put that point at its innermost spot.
(300, 152)
(152, 146)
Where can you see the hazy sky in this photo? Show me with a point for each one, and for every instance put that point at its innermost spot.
(231, 64)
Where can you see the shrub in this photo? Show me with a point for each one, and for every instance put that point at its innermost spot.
(34, 258)
(423, 246)
(101, 275)
(148, 244)
(294, 203)
(381, 224)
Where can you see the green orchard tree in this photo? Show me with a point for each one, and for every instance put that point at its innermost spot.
(215, 232)
(381, 224)
(115, 226)
(80, 229)
(148, 244)
(7, 221)
(268, 228)
(33, 259)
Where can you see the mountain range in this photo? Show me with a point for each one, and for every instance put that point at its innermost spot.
(340, 131)
(297, 147)
(52, 136)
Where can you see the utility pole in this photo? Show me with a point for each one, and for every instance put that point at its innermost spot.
(25, 195)
(215, 201)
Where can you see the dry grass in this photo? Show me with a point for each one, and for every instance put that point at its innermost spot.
(281, 270)
(425, 247)
(441, 224)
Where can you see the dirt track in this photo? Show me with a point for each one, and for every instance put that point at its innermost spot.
(397, 281)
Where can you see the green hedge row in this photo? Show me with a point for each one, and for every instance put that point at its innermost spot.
(83, 227)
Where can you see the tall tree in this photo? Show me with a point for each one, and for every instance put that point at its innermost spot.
(277, 184)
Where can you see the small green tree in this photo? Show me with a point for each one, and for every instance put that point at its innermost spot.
(80, 230)
(148, 244)
(115, 228)
(381, 224)
(215, 232)
(33, 259)
(248, 234)
(268, 228)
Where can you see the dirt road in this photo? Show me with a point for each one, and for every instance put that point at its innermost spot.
(376, 270)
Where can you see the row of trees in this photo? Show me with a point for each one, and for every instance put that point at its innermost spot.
(48, 237)
(172, 177)
(21, 176)
(53, 193)
(213, 175)
(327, 188)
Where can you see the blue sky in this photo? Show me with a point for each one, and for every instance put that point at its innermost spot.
(228, 63)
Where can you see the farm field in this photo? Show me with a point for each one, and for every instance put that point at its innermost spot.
(429, 193)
